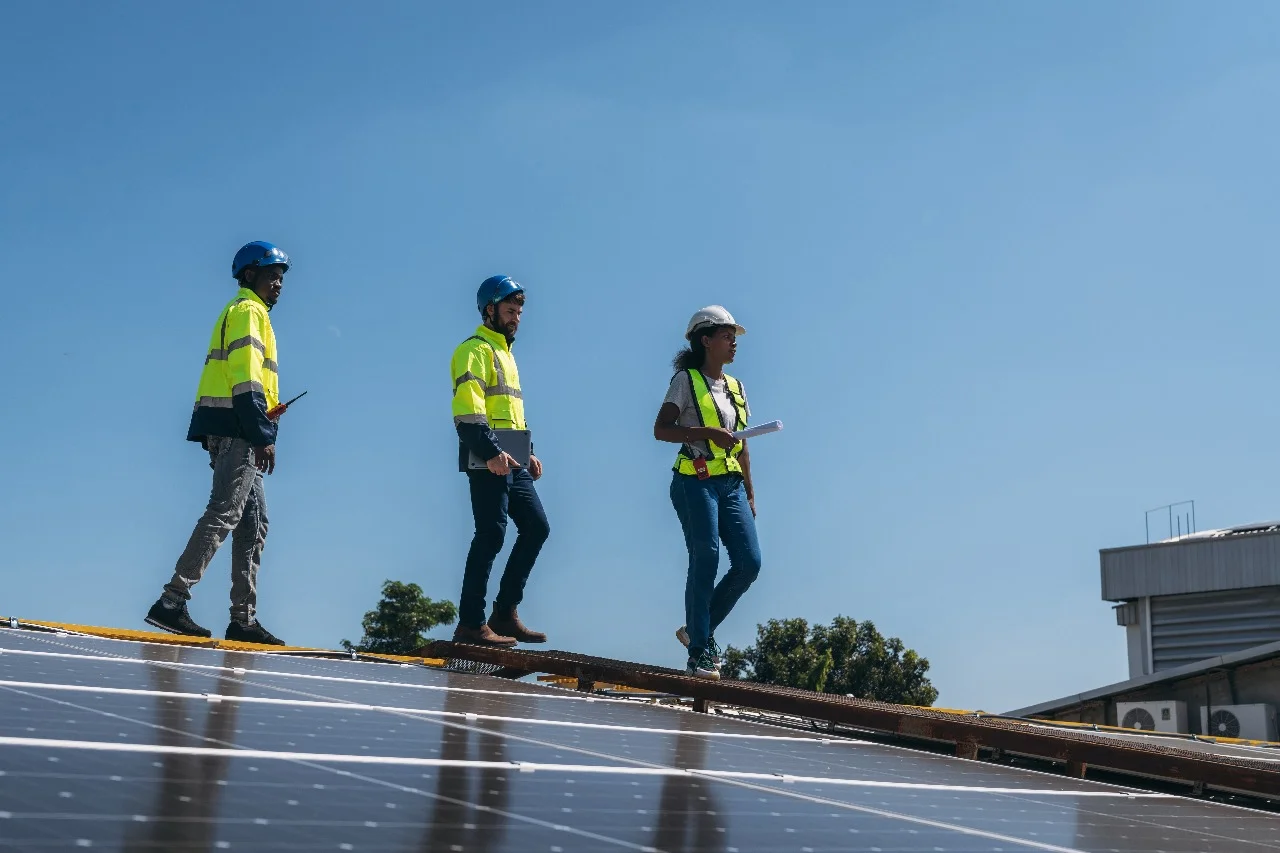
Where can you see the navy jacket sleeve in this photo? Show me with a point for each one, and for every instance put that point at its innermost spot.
(251, 412)
(478, 439)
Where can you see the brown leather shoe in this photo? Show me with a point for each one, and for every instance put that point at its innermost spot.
(508, 622)
(482, 636)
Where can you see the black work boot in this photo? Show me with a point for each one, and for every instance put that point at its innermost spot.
(252, 633)
(507, 621)
(482, 636)
(175, 620)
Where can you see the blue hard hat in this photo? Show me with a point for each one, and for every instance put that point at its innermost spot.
(258, 254)
(496, 288)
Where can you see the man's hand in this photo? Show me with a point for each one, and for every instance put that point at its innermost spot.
(751, 502)
(722, 437)
(502, 464)
(264, 458)
(535, 467)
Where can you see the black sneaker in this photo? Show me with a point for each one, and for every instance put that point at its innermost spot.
(703, 666)
(175, 620)
(682, 634)
(253, 633)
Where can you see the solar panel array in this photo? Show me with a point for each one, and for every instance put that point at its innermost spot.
(116, 745)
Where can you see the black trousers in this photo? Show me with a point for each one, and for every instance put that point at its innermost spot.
(494, 499)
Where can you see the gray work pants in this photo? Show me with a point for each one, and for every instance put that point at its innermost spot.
(237, 505)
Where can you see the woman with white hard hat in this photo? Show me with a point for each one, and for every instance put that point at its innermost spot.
(711, 487)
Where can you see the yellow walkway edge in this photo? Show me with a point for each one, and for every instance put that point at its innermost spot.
(209, 642)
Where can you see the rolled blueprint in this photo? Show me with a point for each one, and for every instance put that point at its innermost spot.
(761, 429)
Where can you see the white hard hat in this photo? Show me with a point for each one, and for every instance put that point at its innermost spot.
(712, 315)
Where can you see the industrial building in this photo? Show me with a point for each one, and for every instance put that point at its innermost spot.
(1201, 615)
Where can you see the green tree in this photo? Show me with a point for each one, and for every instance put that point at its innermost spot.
(403, 614)
(845, 657)
(817, 680)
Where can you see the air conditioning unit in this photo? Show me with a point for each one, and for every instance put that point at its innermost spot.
(1250, 722)
(1170, 716)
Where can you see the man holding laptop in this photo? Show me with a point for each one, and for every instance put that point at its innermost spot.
(496, 453)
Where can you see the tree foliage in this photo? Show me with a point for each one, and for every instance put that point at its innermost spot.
(403, 615)
(845, 657)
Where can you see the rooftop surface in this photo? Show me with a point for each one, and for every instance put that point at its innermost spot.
(127, 745)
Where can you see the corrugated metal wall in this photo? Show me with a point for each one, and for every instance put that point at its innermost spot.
(1189, 628)
(1192, 566)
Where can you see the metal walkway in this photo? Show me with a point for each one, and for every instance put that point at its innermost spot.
(972, 735)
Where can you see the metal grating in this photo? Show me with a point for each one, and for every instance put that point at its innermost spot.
(1076, 748)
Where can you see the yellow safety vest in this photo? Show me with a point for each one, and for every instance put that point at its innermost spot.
(240, 381)
(721, 461)
(486, 383)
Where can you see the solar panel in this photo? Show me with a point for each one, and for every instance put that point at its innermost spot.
(137, 746)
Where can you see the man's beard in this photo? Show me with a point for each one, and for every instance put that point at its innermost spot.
(504, 331)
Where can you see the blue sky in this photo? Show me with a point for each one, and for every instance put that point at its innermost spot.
(1007, 270)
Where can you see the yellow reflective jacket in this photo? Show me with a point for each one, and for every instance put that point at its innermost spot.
(486, 383)
(486, 394)
(721, 461)
(240, 382)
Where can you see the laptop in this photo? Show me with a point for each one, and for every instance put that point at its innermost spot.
(517, 442)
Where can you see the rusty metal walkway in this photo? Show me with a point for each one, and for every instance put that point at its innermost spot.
(973, 736)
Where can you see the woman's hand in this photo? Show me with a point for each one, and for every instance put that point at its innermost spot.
(722, 437)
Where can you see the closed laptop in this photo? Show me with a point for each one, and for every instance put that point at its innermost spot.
(516, 442)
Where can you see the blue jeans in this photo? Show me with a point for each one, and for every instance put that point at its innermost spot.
(712, 511)
(493, 499)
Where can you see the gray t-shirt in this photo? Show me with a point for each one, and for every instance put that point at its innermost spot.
(680, 392)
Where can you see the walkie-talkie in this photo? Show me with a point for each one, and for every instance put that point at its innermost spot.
(280, 409)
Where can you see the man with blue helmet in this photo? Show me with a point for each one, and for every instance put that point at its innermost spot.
(487, 396)
(234, 419)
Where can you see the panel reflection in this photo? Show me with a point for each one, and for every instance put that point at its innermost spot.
(187, 790)
(689, 816)
(455, 822)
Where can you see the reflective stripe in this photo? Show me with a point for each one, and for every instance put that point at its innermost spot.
(246, 341)
(223, 354)
(470, 419)
(246, 387)
(226, 315)
(465, 378)
(214, 402)
(739, 399)
(499, 390)
(502, 389)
